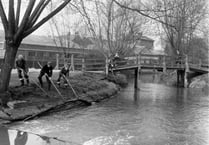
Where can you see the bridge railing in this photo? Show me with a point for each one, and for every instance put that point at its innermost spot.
(157, 60)
(144, 59)
(163, 61)
(198, 62)
(175, 62)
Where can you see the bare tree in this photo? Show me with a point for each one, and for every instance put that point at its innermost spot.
(17, 29)
(179, 19)
(60, 30)
(185, 16)
(113, 28)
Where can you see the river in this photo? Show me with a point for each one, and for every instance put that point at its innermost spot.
(154, 115)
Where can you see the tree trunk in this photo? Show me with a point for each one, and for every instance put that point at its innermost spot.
(8, 64)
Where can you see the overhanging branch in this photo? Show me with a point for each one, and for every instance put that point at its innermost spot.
(3, 17)
(141, 13)
(45, 19)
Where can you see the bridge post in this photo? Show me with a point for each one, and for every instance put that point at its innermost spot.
(137, 70)
(72, 62)
(136, 78)
(178, 78)
(186, 72)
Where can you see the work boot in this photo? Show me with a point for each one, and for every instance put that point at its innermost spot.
(22, 82)
(49, 87)
(58, 83)
(65, 85)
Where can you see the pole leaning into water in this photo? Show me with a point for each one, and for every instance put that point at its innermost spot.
(53, 84)
(74, 92)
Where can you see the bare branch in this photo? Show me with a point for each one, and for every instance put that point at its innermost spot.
(3, 17)
(18, 14)
(37, 12)
(45, 19)
(142, 13)
(11, 18)
(24, 20)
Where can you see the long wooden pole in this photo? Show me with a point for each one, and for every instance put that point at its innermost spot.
(52, 83)
(71, 86)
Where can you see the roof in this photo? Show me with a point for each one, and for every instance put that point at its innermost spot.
(84, 42)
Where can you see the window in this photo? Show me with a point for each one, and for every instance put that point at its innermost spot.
(52, 55)
(40, 54)
(31, 53)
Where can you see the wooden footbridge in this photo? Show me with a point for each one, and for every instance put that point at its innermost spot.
(185, 66)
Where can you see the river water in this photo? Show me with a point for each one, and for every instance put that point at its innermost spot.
(154, 115)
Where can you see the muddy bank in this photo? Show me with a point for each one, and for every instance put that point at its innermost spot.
(27, 102)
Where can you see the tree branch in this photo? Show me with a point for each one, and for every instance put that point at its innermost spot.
(3, 18)
(11, 18)
(18, 14)
(24, 20)
(140, 12)
(45, 19)
(37, 12)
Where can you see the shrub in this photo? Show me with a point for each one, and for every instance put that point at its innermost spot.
(119, 79)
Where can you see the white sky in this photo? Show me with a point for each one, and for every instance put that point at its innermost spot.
(45, 29)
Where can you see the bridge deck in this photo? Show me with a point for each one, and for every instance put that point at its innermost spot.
(131, 67)
(191, 67)
(159, 63)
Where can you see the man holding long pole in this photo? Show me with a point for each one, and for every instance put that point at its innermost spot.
(46, 70)
(22, 69)
(63, 73)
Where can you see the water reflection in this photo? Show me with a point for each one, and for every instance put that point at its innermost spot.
(136, 96)
(21, 138)
(16, 137)
(4, 136)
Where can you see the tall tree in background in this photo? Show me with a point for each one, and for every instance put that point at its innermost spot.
(113, 28)
(60, 29)
(16, 29)
(179, 19)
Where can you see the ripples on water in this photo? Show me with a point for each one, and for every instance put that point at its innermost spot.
(154, 115)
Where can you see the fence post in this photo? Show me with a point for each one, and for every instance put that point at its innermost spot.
(164, 64)
(106, 66)
(200, 63)
(139, 61)
(72, 62)
(57, 61)
(83, 64)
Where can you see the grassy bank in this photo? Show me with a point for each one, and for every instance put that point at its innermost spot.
(30, 101)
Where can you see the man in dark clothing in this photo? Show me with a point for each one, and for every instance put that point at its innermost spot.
(63, 73)
(22, 70)
(46, 70)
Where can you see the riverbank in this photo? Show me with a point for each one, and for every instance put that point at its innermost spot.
(199, 82)
(27, 102)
